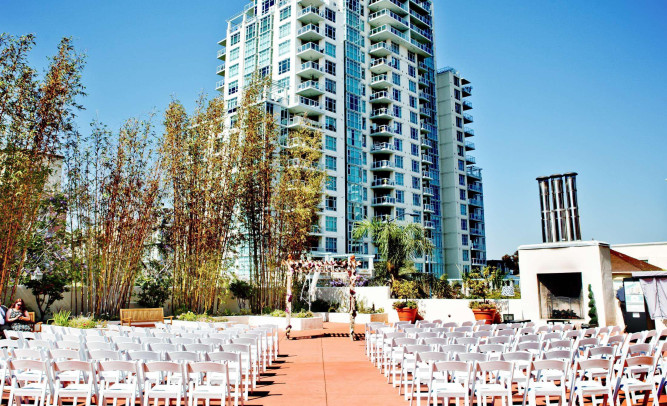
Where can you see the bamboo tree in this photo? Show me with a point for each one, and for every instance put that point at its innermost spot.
(201, 165)
(35, 115)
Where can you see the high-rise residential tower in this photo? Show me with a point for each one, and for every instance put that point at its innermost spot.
(461, 180)
(362, 72)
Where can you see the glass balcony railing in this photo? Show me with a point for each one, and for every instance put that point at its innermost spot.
(383, 146)
(383, 182)
(382, 164)
(384, 200)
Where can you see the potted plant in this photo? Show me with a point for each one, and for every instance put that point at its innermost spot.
(407, 310)
(484, 311)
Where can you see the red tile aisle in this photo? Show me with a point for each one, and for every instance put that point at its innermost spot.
(322, 371)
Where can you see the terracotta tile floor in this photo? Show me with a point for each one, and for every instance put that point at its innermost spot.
(324, 371)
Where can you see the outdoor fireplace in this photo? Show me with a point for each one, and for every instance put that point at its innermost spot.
(561, 295)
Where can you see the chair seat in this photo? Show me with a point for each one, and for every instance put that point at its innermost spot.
(208, 391)
(157, 390)
(449, 388)
(491, 389)
(593, 388)
(546, 389)
(75, 388)
(120, 390)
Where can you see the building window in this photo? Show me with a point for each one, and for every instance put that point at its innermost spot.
(464, 209)
(330, 104)
(414, 133)
(330, 162)
(460, 150)
(462, 180)
(464, 240)
(413, 102)
(234, 54)
(413, 118)
(330, 142)
(411, 56)
(462, 194)
(397, 94)
(400, 196)
(466, 255)
(398, 161)
(233, 87)
(414, 149)
(396, 78)
(283, 66)
(330, 203)
(285, 13)
(330, 85)
(331, 183)
(329, 31)
(283, 48)
(330, 125)
(457, 94)
(459, 122)
(456, 81)
(330, 224)
(416, 182)
(399, 179)
(330, 15)
(331, 244)
(234, 70)
(412, 85)
(400, 214)
(462, 165)
(416, 199)
(415, 166)
(330, 49)
(397, 111)
(330, 68)
(398, 144)
(457, 108)
(235, 39)
(464, 224)
(412, 71)
(459, 136)
(284, 30)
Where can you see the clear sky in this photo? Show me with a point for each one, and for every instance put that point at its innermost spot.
(559, 86)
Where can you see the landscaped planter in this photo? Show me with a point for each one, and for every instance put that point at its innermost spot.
(298, 324)
(362, 318)
(486, 315)
(406, 314)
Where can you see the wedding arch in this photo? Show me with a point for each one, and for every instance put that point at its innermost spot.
(348, 267)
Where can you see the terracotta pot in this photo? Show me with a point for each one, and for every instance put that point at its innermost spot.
(486, 315)
(407, 314)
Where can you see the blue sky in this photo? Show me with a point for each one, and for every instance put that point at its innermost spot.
(558, 87)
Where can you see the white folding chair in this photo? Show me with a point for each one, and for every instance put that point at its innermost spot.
(30, 379)
(170, 385)
(85, 386)
(586, 385)
(234, 368)
(120, 380)
(548, 379)
(208, 381)
(493, 379)
(450, 379)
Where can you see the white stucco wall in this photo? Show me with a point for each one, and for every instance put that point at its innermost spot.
(590, 258)
(655, 253)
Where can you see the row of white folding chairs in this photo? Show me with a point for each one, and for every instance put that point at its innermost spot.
(189, 382)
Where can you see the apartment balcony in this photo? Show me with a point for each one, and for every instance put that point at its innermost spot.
(424, 67)
(467, 118)
(223, 42)
(379, 66)
(478, 261)
(382, 166)
(426, 174)
(423, 5)
(470, 160)
(424, 96)
(470, 146)
(425, 112)
(429, 208)
(394, 5)
(420, 48)
(476, 216)
(310, 88)
(426, 127)
(424, 81)
(474, 172)
(427, 191)
(316, 230)
(475, 201)
(222, 53)
(310, 15)
(428, 159)
(468, 132)
(387, 32)
(381, 49)
(467, 105)
(298, 122)
(220, 70)
(429, 225)
(382, 114)
(380, 82)
(310, 32)
(466, 91)
(475, 187)
(478, 246)
(426, 144)
(304, 105)
(383, 201)
(304, 164)
(383, 183)
(310, 51)
(423, 35)
(383, 147)
(311, 3)
(386, 16)
(381, 131)
(318, 251)
(380, 97)
(310, 70)
(220, 84)
(421, 19)
(476, 231)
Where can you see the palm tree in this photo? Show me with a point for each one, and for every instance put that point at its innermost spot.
(396, 244)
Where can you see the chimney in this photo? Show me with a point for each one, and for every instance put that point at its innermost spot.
(558, 207)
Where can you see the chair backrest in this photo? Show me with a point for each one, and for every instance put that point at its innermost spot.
(164, 347)
(563, 355)
(120, 366)
(42, 367)
(100, 345)
(550, 365)
(491, 348)
(526, 338)
(43, 344)
(431, 356)
(165, 367)
(469, 341)
(463, 329)
(490, 369)
(403, 341)
(551, 336)
(71, 345)
(205, 368)
(499, 340)
(28, 353)
(639, 349)
(450, 324)
(129, 346)
(516, 356)
(599, 365)
(413, 349)
(9, 343)
(436, 342)
(529, 346)
(224, 356)
(122, 339)
(472, 357)
(104, 355)
(202, 348)
(74, 365)
(454, 366)
(182, 356)
(560, 344)
(601, 352)
(454, 348)
(143, 356)
(506, 333)
(61, 354)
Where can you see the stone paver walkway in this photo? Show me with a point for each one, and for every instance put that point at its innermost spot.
(324, 371)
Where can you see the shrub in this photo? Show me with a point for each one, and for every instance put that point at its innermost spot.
(278, 313)
(154, 284)
(83, 322)
(242, 291)
(404, 289)
(405, 304)
(481, 305)
(592, 310)
(190, 316)
(302, 315)
(320, 305)
(61, 318)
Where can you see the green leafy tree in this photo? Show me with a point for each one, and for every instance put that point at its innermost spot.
(592, 310)
(397, 244)
(242, 291)
(154, 284)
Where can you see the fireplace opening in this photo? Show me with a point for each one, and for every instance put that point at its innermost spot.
(561, 295)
